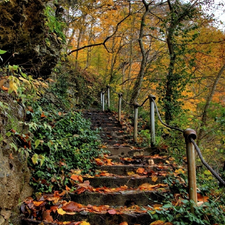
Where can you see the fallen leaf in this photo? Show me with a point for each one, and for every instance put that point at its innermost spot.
(147, 186)
(46, 216)
(158, 222)
(131, 173)
(99, 162)
(84, 223)
(179, 171)
(67, 188)
(123, 223)
(38, 203)
(112, 212)
(202, 198)
(61, 212)
(77, 178)
(157, 206)
(11, 156)
(154, 178)
(43, 115)
(73, 207)
(4, 88)
(140, 170)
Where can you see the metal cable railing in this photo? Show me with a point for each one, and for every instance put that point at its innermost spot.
(189, 135)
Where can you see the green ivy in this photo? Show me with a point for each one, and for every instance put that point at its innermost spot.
(54, 24)
(60, 143)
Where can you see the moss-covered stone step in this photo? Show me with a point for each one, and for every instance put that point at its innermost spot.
(125, 198)
(100, 219)
(130, 181)
(128, 169)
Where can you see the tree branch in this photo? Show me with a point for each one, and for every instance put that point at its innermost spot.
(104, 42)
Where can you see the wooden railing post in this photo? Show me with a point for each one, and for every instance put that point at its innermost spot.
(101, 95)
(103, 101)
(120, 106)
(135, 122)
(108, 95)
(192, 187)
(152, 119)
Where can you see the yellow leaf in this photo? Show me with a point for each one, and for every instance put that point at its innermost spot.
(61, 212)
(179, 171)
(34, 158)
(12, 86)
(154, 178)
(84, 223)
(130, 173)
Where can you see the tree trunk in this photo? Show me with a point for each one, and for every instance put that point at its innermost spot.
(208, 100)
(138, 82)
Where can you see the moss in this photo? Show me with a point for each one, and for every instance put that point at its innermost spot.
(22, 29)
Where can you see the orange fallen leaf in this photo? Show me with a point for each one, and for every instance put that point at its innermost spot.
(108, 162)
(43, 115)
(202, 198)
(67, 188)
(4, 88)
(123, 223)
(157, 206)
(11, 156)
(158, 222)
(140, 170)
(99, 162)
(29, 108)
(38, 203)
(154, 178)
(73, 207)
(147, 186)
(81, 190)
(77, 178)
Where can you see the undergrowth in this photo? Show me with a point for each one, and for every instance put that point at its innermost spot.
(60, 143)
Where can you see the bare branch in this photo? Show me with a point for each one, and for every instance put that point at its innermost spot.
(104, 42)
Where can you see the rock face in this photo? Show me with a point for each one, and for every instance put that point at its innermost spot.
(14, 173)
(27, 38)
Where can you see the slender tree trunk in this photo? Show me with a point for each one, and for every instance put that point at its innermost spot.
(208, 100)
(78, 45)
(131, 55)
(138, 83)
(170, 77)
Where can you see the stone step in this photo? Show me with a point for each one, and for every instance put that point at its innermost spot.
(137, 160)
(124, 198)
(99, 218)
(126, 169)
(128, 151)
(112, 141)
(119, 150)
(130, 181)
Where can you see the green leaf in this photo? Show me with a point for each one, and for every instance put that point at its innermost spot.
(35, 158)
(14, 146)
(2, 52)
(42, 159)
(36, 143)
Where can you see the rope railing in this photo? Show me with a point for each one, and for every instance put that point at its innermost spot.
(189, 134)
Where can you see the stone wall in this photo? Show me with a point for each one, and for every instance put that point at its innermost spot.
(26, 38)
(14, 173)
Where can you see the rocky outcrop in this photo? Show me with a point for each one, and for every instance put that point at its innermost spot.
(14, 173)
(27, 38)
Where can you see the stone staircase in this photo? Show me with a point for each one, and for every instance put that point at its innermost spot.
(128, 186)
